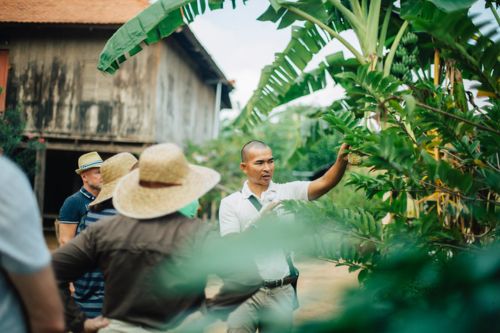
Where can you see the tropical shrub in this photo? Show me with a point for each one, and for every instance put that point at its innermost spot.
(14, 145)
(430, 146)
(300, 152)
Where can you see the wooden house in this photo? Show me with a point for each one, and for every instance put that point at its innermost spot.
(172, 91)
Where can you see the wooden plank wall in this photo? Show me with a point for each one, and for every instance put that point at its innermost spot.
(156, 96)
(185, 103)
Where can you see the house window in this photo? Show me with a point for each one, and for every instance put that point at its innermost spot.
(4, 70)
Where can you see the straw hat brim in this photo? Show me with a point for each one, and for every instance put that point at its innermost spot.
(105, 193)
(140, 202)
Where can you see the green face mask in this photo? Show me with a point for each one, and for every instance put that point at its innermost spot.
(191, 209)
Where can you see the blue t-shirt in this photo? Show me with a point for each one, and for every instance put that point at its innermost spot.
(22, 246)
(75, 207)
(89, 289)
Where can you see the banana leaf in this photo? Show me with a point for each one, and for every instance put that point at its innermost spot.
(157, 21)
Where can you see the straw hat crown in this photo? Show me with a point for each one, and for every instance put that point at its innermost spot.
(164, 183)
(112, 170)
(163, 164)
(116, 167)
(88, 161)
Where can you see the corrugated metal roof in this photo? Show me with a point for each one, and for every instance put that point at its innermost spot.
(70, 11)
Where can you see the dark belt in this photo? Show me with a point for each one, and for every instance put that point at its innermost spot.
(279, 283)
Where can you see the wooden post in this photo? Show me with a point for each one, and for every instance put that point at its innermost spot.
(4, 71)
(39, 182)
(437, 67)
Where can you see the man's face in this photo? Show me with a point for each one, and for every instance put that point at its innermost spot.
(259, 166)
(92, 177)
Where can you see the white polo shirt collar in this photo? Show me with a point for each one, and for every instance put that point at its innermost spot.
(246, 192)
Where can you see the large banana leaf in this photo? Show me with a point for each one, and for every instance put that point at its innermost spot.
(453, 5)
(284, 79)
(276, 79)
(304, 84)
(157, 21)
(280, 82)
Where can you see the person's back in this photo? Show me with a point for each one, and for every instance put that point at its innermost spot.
(27, 286)
(153, 252)
(142, 261)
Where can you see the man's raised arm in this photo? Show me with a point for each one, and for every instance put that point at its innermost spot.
(331, 178)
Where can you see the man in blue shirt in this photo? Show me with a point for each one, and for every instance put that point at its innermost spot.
(89, 289)
(72, 218)
(75, 207)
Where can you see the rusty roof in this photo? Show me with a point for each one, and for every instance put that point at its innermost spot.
(70, 11)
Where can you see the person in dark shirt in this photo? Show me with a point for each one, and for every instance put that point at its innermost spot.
(142, 251)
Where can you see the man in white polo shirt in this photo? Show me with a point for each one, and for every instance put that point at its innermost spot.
(275, 300)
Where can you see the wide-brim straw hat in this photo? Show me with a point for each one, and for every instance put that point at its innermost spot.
(88, 161)
(164, 183)
(112, 170)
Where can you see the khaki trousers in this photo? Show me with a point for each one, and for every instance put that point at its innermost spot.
(118, 326)
(195, 322)
(269, 310)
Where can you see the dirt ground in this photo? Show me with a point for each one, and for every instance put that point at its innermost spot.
(320, 289)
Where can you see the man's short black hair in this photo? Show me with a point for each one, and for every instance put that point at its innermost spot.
(252, 144)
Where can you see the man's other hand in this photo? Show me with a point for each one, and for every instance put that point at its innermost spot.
(267, 209)
(94, 324)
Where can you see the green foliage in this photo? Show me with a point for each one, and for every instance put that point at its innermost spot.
(411, 292)
(157, 21)
(401, 152)
(452, 5)
(12, 143)
(461, 39)
(425, 200)
(406, 57)
(299, 142)
(432, 161)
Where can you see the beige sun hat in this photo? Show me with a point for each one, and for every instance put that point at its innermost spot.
(89, 161)
(163, 184)
(112, 170)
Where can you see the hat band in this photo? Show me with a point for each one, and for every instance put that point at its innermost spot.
(148, 184)
(86, 166)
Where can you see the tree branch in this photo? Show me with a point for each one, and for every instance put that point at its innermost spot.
(446, 114)
(450, 115)
(460, 195)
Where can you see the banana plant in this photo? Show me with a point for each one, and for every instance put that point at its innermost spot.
(376, 24)
(437, 156)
